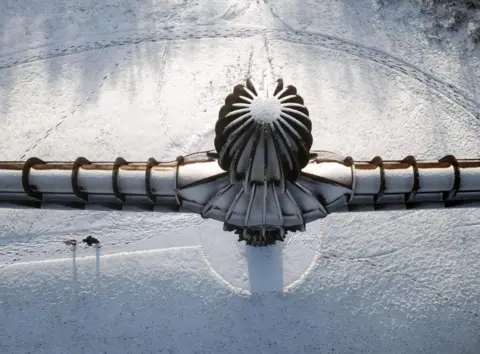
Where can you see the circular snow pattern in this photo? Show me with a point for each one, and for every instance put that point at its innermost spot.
(259, 270)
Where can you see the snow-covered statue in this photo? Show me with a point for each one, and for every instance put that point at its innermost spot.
(262, 180)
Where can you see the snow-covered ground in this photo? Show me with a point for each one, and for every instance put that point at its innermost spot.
(146, 78)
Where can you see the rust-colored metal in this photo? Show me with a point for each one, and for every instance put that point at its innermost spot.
(262, 180)
(12, 166)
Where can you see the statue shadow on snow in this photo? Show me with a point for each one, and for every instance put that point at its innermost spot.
(265, 268)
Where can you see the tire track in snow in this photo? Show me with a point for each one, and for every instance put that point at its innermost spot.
(127, 38)
(445, 89)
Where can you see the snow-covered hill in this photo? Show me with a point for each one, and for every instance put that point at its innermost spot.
(146, 78)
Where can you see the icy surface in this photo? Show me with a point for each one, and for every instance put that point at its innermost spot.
(146, 78)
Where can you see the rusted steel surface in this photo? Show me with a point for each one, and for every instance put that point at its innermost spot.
(262, 180)
(463, 178)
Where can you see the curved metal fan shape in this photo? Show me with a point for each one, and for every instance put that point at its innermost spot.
(263, 142)
(261, 139)
(262, 216)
